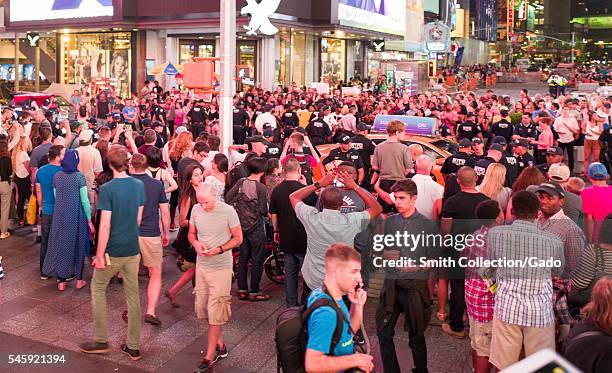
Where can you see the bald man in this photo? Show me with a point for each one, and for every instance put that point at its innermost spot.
(459, 219)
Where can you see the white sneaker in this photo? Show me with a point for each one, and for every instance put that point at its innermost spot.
(4, 235)
(44, 277)
(35, 229)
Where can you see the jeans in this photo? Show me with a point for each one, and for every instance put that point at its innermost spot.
(23, 194)
(45, 228)
(128, 267)
(416, 342)
(457, 304)
(5, 205)
(569, 146)
(293, 263)
(253, 248)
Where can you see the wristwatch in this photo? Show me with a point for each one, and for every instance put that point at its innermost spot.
(317, 185)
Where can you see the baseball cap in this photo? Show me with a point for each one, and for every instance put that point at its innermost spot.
(268, 132)
(559, 172)
(597, 171)
(500, 140)
(465, 143)
(552, 188)
(74, 124)
(250, 140)
(345, 139)
(86, 135)
(146, 122)
(180, 129)
(362, 126)
(92, 120)
(497, 147)
(156, 124)
(503, 108)
(117, 116)
(554, 150)
(477, 140)
(521, 142)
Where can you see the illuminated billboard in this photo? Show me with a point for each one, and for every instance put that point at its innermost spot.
(41, 10)
(376, 15)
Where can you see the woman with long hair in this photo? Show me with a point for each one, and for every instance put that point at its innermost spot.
(219, 175)
(178, 148)
(193, 178)
(154, 158)
(6, 170)
(592, 129)
(35, 138)
(589, 342)
(20, 161)
(492, 185)
(528, 177)
(69, 235)
(272, 176)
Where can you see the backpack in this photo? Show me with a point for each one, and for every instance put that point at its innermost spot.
(305, 167)
(248, 208)
(239, 171)
(291, 334)
(82, 111)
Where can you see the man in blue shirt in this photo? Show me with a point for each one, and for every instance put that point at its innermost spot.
(342, 276)
(46, 197)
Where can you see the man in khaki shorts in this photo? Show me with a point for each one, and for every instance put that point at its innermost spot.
(150, 237)
(214, 230)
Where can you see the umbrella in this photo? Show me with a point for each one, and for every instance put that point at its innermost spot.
(167, 68)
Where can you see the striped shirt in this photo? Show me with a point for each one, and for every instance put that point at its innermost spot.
(524, 293)
(570, 234)
(587, 267)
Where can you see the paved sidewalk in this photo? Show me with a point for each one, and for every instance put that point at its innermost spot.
(35, 317)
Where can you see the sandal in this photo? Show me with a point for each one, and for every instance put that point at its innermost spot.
(243, 295)
(259, 297)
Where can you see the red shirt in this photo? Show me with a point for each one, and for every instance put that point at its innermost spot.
(479, 300)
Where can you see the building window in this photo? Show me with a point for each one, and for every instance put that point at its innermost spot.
(333, 60)
(189, 49)
(247, 55)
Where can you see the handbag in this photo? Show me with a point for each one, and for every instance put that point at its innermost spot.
(32, 211)
(579, 298)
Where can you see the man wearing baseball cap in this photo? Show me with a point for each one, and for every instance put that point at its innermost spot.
(365, 148)
(554, 154)
(508, 160)
(520, 148)
(463, 157)
(494, 155)
(90, 162)
(572, 207)
(468, 129)
(344, 153)
(504, 126)
(596, 200)
(478, 149)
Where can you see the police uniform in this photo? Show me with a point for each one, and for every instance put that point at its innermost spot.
(509, 161)
(240, 120)
(468, 130)
(445, 130)
(529, 132)
(317, 130)
(273, 151)
(480, 167)
(198, 117)
(524, 161)
(502, 128)
(291, 119)
(158, 113)
(453, 163)
(338, 155)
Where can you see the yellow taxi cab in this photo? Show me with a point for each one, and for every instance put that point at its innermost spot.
(438, 148)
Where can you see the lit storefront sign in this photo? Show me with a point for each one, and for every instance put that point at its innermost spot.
(522, 10)
(382, 16)
(260, 13)
(40, 10)
(509, 19)
(437, 37)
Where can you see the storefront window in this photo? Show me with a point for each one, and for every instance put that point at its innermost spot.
(101, 56)
(333, 59)
(355, 59)
(247, 55)
(189, 49)
(298, 59)
(283, 64)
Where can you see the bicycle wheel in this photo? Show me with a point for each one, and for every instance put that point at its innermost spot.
(274, 266)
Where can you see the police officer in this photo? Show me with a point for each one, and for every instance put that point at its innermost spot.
(554, 154)
(453, 163)
(273, 151)
(477, 149)
(494, 155)
(344, 153)
(240, 121)
(318, 130)
(508, 160)
(158, 113)
(365, 148)
(197, 116)
(468, 129)
(503, 127)
(525, 130)
(522, 155)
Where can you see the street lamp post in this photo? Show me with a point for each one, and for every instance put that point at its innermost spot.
(228, 59)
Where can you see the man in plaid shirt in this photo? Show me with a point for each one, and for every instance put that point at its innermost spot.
(523, 313)
(553, 220)
(479, 300)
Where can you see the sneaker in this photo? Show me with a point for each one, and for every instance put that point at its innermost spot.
(4, 235)
(220, 353)
(358, 338)
(174, 228)
(133, 354)
(44, 277)
(205, 366)
(153, 320)
(94, 348)
(447, 330)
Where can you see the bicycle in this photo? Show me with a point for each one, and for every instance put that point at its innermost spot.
(274, 265)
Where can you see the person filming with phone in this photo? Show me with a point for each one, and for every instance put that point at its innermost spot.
(342, 277)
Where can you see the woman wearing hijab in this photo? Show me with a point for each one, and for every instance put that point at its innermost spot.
(71, 226)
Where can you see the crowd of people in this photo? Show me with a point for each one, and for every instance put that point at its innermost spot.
(108, 186)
